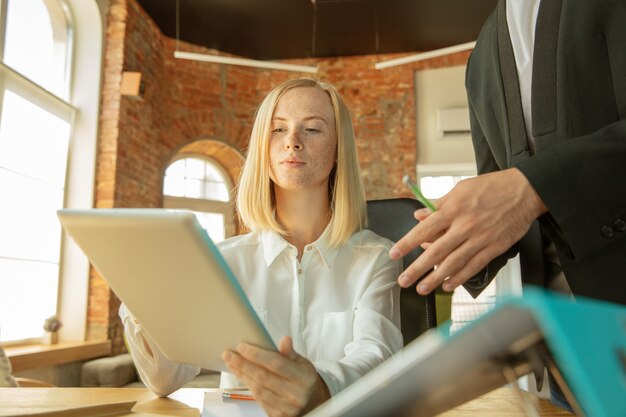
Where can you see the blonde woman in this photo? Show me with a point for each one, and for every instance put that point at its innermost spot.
(323, 285)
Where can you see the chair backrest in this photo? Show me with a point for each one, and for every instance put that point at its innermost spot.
(393, 218)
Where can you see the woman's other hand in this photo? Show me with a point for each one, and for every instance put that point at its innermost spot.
(284, 383)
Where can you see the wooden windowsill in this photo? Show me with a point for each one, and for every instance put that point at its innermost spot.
(39, 356)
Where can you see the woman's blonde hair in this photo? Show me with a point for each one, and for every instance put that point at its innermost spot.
(255, 195)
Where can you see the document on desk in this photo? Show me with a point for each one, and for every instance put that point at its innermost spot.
(215, 406)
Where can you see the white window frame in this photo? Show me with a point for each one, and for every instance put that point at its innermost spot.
(86, 67)
(81, 110)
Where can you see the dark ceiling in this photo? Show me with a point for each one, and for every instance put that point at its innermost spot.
(283, 29)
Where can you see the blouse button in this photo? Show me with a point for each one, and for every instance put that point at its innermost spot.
(309, 247)
(300, 271)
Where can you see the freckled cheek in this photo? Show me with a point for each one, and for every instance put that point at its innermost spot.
(327, 158)
(328, 163)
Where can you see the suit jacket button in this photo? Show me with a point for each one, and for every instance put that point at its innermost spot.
(607, 231)
(620, 225)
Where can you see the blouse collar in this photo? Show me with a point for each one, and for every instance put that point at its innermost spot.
(274, 244)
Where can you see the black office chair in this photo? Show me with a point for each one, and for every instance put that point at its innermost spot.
(393, 218)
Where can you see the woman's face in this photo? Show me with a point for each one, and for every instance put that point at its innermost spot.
(303, 143)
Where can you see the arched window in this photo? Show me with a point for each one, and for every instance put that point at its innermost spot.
(200, 184)
(37, 43)
(38, 121)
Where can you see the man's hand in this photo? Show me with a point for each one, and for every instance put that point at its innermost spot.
(475, 222)
(283, 382)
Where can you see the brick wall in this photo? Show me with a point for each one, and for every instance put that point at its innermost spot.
(187, 101)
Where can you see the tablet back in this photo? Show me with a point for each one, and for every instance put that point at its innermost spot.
(166, 270)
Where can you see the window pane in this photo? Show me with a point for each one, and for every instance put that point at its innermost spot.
(33, 162)
(213, 223)
(33, 142)
(174, 186)
(203, 180)
(30, 228)
(194, 189)
(195, 168)
(216, 191)
(213, 174)
(436, 187)
(176, 170)
(20, 281)
(36, 42)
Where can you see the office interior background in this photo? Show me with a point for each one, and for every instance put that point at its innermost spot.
(97, 112)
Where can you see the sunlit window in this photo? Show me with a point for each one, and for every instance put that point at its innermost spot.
(195, 178)
(465, 308)
(213, 223)
(35, 131)
(36, 43)
(200, 185)
(434, 187)
(436, 181)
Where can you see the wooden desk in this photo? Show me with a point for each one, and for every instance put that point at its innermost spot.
(188, 402)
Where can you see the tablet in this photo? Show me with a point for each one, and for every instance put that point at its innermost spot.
(164, 267)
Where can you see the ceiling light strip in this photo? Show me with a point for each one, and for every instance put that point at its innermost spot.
(244, 62)
(424, 55)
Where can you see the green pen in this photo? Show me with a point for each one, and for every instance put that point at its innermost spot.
(418, 194)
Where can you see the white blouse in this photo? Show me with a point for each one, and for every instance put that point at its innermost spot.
(339, 305)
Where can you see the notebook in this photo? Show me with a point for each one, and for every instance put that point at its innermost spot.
(172, 278)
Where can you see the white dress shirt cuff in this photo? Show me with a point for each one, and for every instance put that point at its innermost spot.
(160, 375)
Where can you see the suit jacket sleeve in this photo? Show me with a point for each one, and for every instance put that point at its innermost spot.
(582, 182)
(485, 163)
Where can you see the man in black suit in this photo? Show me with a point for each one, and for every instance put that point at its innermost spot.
(546, 84)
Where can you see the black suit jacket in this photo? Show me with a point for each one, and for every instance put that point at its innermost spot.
(579, 123)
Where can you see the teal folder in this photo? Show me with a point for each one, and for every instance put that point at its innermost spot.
(587, 340)
(583, 342)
